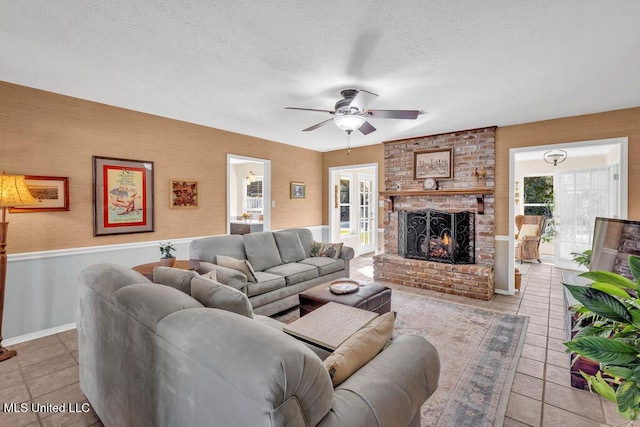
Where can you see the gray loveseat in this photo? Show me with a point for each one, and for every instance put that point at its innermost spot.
(282, 262)
(152, 355)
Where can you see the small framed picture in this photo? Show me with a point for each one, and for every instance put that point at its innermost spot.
(123, 196)
(184, 194)
(298, 190)
(437, 164)
(51, 194)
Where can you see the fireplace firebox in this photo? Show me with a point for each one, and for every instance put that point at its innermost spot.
(431, 235)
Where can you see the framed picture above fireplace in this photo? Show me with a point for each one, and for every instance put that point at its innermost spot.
(433, 164)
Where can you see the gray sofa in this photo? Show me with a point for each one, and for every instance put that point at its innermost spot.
(152, 355)
(283, 269)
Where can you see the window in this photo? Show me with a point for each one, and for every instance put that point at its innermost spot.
(345, 205)
(253, 199)
(538, 195)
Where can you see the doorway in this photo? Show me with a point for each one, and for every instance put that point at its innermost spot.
(248, 192)
(353, 201)
(591, 182)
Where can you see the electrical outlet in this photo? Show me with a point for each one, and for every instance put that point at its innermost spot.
(273, 203)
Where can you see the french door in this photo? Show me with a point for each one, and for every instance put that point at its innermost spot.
(367, 222)
(581, 195)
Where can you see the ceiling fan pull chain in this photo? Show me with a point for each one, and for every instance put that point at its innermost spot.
(348, 143)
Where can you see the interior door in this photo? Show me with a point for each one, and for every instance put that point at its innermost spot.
(367, 221)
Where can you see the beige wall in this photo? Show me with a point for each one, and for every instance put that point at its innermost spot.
(42, 133)
(620, 123)
(358, 156)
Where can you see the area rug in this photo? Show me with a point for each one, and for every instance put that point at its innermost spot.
(479, 351)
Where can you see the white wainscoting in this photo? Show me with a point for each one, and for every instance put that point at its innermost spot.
(42, 287)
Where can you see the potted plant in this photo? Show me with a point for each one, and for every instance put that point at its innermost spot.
(612, 336)
(167, 259)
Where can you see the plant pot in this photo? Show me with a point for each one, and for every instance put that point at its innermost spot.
(167, 262)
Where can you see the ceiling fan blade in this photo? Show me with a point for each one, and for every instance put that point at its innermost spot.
(394, 114)
(317, 125)
(309, 109)
(366, 128)
(362, 99)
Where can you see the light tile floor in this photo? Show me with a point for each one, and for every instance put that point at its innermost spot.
(46, 369)
(541, 394)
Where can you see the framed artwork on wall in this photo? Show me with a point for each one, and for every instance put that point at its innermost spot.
(298, 190)
(433, 164)
(51, 194)
(123, 196)
(184, 194)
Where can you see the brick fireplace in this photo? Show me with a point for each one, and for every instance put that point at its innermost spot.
(469, 194)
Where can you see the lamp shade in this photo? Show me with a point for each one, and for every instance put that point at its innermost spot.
(14, 191)
(349, 122)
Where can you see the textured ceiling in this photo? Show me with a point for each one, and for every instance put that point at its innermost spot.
(234, 65)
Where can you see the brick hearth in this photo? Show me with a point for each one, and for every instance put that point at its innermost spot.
(473, 150)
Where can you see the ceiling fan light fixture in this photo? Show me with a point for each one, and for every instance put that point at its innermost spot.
(349, 122)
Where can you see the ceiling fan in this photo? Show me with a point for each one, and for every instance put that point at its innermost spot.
(350, 112)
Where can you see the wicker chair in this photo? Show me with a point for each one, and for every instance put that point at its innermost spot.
(528, 235)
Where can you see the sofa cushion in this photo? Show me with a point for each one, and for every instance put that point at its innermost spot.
(316, 249)
(360, 348)
(262, 251)
(325, 264)
(176, 278)
(295, 272)
(206, 248)
(216, 295)
(289, 246)
(266, 283)
(242, 265)
(331, 250)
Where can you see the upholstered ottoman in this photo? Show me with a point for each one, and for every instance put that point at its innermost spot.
(370, 296)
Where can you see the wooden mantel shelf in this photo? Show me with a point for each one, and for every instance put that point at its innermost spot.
(479, 192)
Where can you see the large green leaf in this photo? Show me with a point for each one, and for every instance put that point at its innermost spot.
(604, 350)
(634, 266)
(635, 315)
(619, 371)
(628, 397)
(601, 303)
(610, 289)
(600, 386)
(611, 278)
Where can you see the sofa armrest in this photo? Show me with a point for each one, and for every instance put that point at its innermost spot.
(226, 276)
(347, 253)
(390, 389)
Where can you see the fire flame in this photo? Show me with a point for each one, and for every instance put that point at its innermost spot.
(446, 240)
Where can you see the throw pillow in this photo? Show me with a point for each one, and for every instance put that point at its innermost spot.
(289, 246)
(174, 277)
(528, 230)
(216, 295)
(316, 248)
(331, 250)
(360, 348)
(242, 265)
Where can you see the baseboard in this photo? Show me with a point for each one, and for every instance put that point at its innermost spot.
(38, 334)
(501, 292)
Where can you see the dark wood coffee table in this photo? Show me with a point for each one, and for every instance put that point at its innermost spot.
(183, 264)
(370, 296)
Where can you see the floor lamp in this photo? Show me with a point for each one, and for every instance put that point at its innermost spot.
(13, 192)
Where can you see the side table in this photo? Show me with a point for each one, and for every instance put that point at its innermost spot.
(183, 264)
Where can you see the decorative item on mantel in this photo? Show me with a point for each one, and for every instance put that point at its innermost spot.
(246, 216)
(480, 176)
(167, 260)
(13, 192)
